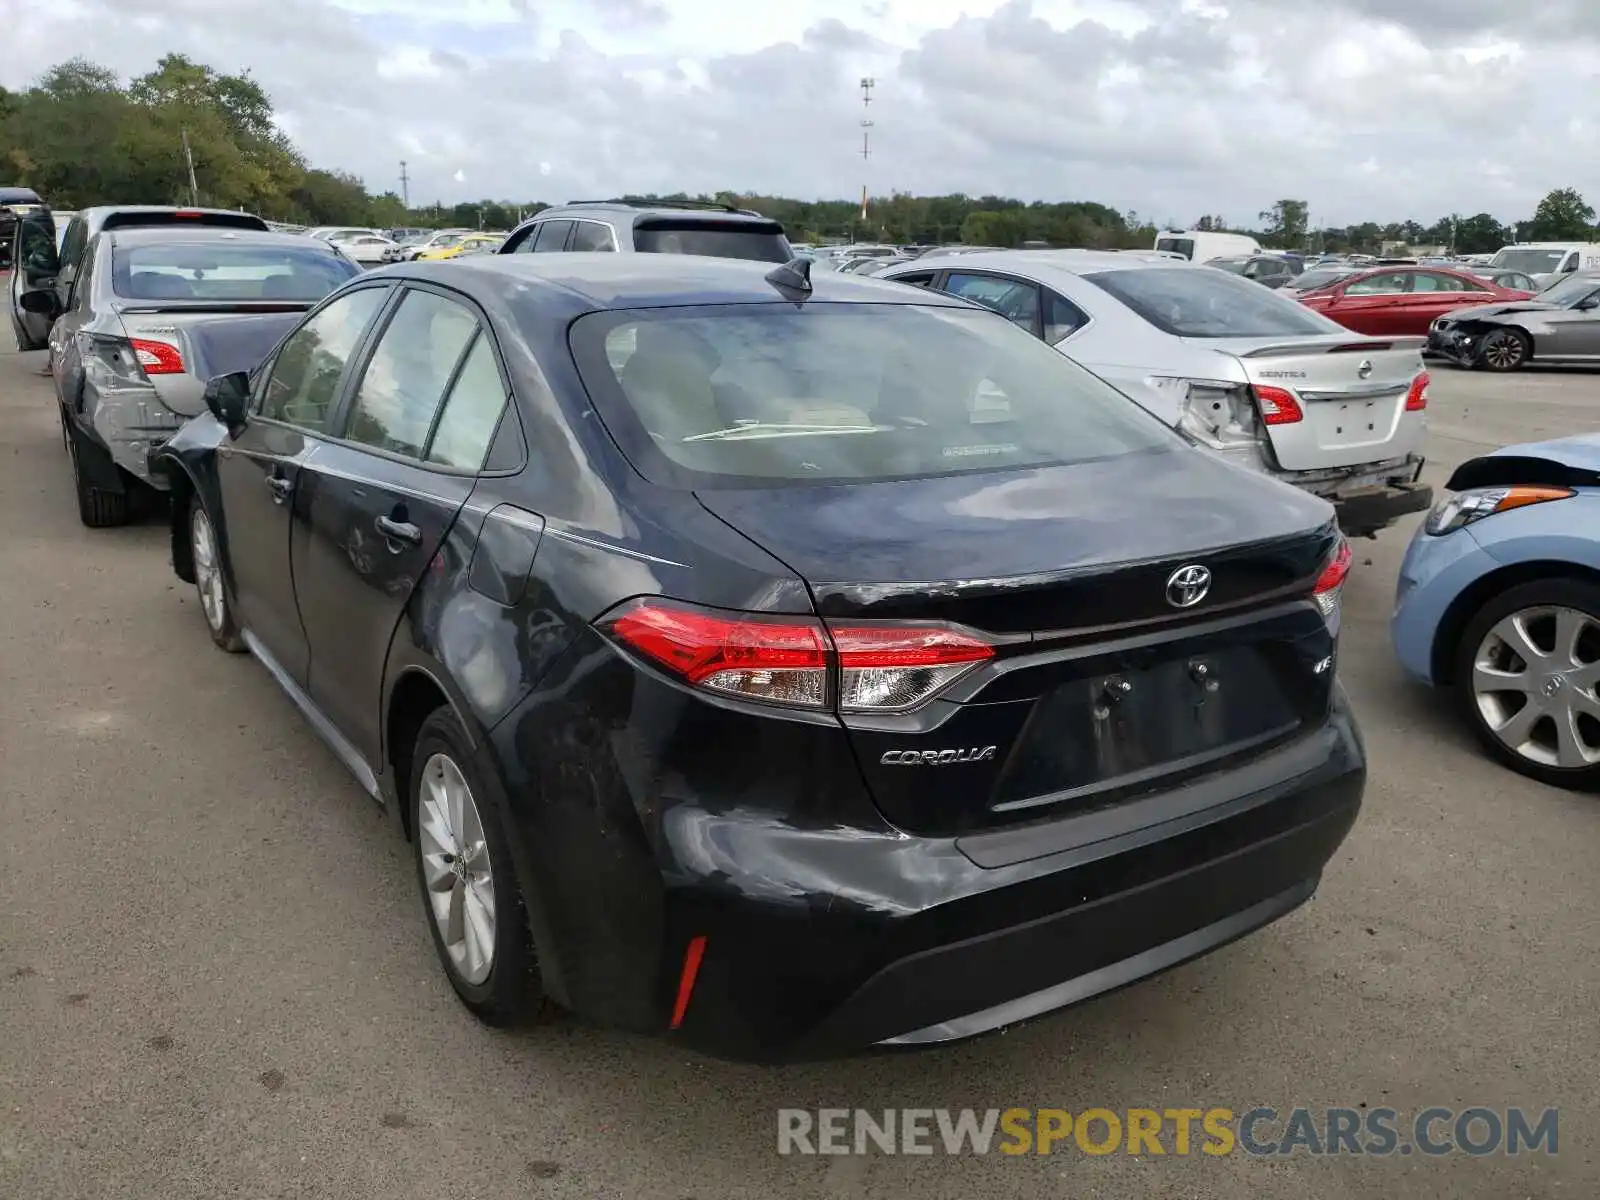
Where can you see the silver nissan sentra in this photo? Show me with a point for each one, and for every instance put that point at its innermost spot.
(155, 313)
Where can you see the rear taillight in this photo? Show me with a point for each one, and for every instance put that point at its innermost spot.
(1326, 590)
(1417, 395)
(1277, 406)
(157, 358)
(887, 668)
(766, 658)
(796, 661)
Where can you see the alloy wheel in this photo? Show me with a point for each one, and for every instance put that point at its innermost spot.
(1503, 350)
(207, 571)
(1533, 681)
(455, 868)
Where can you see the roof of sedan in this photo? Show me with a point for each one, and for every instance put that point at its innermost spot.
(604, 280)
(140, 235)
(1076, 262)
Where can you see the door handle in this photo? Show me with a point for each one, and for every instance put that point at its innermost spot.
(399, 531)
(281, 488)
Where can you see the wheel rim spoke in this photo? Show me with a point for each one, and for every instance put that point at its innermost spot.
(1534, 689)
(456, 868)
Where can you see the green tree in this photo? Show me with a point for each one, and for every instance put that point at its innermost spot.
(1562, 216)
(1286, 223)
(1479, 234)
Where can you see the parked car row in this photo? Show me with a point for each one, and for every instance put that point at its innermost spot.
(786, 661)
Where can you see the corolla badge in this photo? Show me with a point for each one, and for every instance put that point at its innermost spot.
(1365, 369)
(1188, 585)
(936, 758)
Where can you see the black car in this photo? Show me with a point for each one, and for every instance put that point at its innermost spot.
(787, 665)
(14, 201)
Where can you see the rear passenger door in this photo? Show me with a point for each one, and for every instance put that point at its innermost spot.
(413, 434)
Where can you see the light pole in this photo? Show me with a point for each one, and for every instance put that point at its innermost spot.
(867, 84)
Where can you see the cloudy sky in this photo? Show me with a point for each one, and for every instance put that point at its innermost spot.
(1368, 109)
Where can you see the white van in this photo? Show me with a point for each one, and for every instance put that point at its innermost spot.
(1547, 261)
(1199, 246)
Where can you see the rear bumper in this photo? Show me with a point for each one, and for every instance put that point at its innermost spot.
(822, 941)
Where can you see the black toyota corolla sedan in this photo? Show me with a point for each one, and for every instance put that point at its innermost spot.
(786, 665)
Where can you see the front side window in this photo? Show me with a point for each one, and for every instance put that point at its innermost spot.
(1016, 301)
(742, 396)
(1194, 302)
(222, 270)
(304, 379)
(405, 379)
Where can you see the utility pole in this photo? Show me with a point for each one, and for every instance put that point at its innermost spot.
(188, 157)
(405, 186)
(867, 85)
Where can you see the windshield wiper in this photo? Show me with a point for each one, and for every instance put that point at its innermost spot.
(765, 429)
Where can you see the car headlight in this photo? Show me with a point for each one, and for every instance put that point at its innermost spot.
(1463, 508)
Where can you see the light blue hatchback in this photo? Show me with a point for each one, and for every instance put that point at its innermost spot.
(1499, 600)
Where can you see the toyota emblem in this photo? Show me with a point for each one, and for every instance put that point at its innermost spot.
(1365, 369)
(1188, 585)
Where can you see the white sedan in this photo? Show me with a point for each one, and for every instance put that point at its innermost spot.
(368, 249)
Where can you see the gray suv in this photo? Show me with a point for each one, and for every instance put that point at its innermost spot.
(652, 227)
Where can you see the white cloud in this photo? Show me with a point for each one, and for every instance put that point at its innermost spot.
(1377, 109)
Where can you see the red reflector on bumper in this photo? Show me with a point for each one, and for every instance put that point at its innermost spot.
(691, 968)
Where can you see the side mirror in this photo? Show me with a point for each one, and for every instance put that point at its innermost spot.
(228, 398)
(42, 302)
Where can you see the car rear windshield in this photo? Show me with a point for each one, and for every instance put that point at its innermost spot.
(1174, 245)
(744, 395)
(760, 242)
(216, 270)
(1190, 302)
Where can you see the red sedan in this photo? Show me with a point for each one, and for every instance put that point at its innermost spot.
(1402, 301)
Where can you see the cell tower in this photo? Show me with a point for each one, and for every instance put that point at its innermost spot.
(867, 85)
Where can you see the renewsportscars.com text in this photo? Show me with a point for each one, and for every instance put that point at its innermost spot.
(1375, 1132)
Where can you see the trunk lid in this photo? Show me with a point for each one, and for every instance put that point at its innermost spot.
(1351, 390)
(211, 340)
(1102, 688)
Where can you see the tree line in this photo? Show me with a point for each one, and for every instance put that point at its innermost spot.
(187, 133)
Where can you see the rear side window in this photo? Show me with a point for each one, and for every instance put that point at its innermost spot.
(591, 235)
(405, 379)
(755, 241)
(223, 270)
(1194, 302)
(305, 375)
(551, 236)
(1014, 300)
(471, 411)
(740, 396)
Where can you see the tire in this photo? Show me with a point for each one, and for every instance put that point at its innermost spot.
(504, 988)
(1504, 350)
(210, 582)
(97, 508)
(1554, 687)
